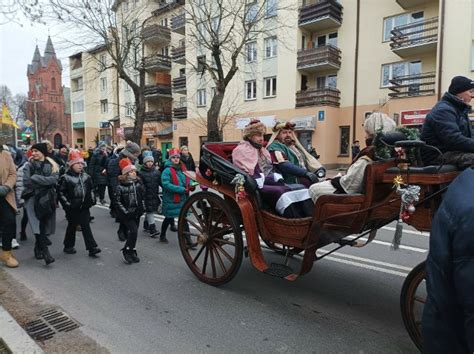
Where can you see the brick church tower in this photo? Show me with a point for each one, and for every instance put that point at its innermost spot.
(45, 88)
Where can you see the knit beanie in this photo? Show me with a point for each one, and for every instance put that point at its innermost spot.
(148, 156)
(131, 150)
(460, 84)
(41, 147)
(75, 156)
(253, 128)
(126, 166)
(174, 152)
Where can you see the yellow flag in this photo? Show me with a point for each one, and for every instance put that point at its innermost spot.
(7, 118)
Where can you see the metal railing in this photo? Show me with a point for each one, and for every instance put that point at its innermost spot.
(178, 52)
(179, 83)
(327, 96)
(413, 85)
(157, 32)
(178, 21)
(180, 113)
(317, 56)
(158, 61)
(417, 33)
(321, 9)
(155, 90)
(157, 116)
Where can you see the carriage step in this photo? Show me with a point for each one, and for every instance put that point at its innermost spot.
(278, 270)
(352, 243)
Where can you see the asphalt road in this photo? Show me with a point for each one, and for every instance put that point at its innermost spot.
(349, 303)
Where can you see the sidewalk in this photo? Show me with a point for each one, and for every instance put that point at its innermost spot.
(14, 337)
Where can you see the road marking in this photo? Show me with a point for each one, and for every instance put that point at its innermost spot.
(367, 260)
(417, 233)
(410, 248)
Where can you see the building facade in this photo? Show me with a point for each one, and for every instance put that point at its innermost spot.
(46, 97)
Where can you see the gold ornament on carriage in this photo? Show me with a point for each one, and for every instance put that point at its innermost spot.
(239, 189)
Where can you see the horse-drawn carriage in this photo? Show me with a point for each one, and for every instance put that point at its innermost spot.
(220, 218)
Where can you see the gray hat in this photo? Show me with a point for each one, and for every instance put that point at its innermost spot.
(131, 150)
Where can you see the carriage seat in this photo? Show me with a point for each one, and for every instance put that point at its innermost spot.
(432, 169)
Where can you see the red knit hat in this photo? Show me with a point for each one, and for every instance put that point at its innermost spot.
(75, 157)
(126, 166)
(174, 152)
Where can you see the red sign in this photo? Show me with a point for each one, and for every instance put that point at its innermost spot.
(413, 117)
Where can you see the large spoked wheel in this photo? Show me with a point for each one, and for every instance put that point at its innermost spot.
(282, 249)
(412, 301)
(218, 236)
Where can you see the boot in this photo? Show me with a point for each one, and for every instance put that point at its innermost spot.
(173, 227)
(153, 232)
(127, 257)
(190, 244)
(69, 250)
(48, 259)
(134, 256)
(146, 227)
(94, 251)
(23, 236)
(38, 253)
(48, 241)
(7, 258)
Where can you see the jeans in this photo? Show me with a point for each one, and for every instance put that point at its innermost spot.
(79, 217)
(7, 224)
(100, 191)
(131, 226)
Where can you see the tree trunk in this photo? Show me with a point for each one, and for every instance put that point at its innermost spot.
(139, 117)
(214, 132)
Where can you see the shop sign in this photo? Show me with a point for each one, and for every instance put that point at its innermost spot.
(321, 115)
(269, 121)
(305, 123)
(415, 117)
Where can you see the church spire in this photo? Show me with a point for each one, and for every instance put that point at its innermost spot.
(37, 55)
(49, 47)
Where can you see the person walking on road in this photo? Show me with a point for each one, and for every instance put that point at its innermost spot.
(176, 187)
(76, 196)
(150, 177)
(40, 177)
(7, 207)
(130, 207)
(96, 168)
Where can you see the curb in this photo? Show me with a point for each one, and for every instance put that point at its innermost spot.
(15, 337)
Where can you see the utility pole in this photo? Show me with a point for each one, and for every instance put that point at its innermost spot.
(35, 109)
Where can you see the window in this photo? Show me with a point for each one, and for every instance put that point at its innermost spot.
(125, 6)
(251, 12)
(201, 29)
(270, 87)
(201, 62)
(323, 82)
(103, 61)
(104, 106)
(103, 83)
(271, 8)
(128, 109)
(182, 102)
(344, 140)
(201, 98)
(165, 51)
(136, 79)
(251, 52)
(215, 25)
(250, 90)
(327, 39)
(78, 106)
(53, 83)
(183, 141)
(164, 22)
(391, 22)
(270, 47)
(395, 70)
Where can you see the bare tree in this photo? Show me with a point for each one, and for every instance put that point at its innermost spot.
(222, 28)
(11, 10)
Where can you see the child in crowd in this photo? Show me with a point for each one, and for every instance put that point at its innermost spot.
(150, 177)
(129, 205)
(77, 197)
(176, 188)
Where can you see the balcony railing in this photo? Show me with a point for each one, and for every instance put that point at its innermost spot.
(179, 84)
(321, 15)
(156, 34)
(167, 7)
(321, 58)
(180, 113)
(327, 96)
(415, 35)
(413, 85)
(178, 23)
(156, 116)
(158, 91)
(158, 63)
(179, 54)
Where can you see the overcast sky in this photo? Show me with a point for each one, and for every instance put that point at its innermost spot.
(17, 45)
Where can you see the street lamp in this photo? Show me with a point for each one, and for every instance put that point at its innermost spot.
(35, 102)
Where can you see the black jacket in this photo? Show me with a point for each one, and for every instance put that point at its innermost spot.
(151, 179)
(188, 162)
(129, 198)
(75, 191)
(97, 164)
(448, 315)
(447, 127)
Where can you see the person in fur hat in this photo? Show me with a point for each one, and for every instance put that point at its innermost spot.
(151, 179)
(77, 197)
(288, 200)
(290, 157)
(129, 198)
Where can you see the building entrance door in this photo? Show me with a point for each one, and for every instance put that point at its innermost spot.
(305, 139)
(165, 146)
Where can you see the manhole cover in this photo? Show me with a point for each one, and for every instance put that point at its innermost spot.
(50, 322)
(3, 348)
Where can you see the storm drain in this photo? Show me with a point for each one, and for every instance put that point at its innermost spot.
(50, 322)
(3, 348)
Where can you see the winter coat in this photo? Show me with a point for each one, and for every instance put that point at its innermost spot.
(129, 198)
(151, 179)
(8, 176)
(448, 316)
(38, 176)
(447, 127)
(113, 172)
(188, 162)
(19, 185)
(97, 164)
(76, 191)
(171, 208)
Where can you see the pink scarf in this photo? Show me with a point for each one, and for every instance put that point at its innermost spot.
(245, 157)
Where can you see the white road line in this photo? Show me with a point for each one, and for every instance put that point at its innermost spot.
(410, 248)
(417, 233)
(367, 260)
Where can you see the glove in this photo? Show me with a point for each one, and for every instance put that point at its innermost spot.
(192, 188)
(312, 177)
(4, 190)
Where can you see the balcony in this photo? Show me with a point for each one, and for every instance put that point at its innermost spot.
(327, 96)
(322, 58)
(413, 85)
(180, 113)
(324, 14)
(167, 7)
(179, 54)
(178, 24)
(158, 63)
(157, 91)
(157, 116)
(415, 38)
(406, 4)
(156, 35)
(179, 84)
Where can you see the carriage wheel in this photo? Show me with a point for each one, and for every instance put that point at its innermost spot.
(282, 249)
(218, 236)
(412, 301)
